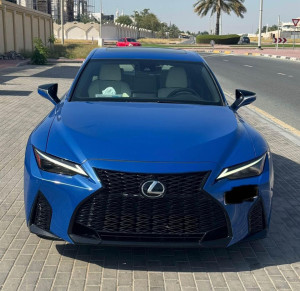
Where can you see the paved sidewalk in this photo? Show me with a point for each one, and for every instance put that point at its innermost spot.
(31, 263)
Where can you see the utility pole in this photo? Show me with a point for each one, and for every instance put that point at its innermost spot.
(278, 36)
(260, 24)
(294, 37)
(100, 40)
(62, 21)
(221, 24)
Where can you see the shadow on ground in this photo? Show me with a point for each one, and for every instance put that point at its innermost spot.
(64, 72)
(57, 72)
(8, 76)
(281, 247)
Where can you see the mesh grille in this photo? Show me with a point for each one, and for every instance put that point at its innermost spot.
(42, 213)
(257, 218)
(119, 211)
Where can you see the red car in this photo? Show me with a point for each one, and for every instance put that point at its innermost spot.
(127, 41)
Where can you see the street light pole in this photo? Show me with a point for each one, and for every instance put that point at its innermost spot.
(260, 24)
(221, 24)
(278, 33)
(100, 40)
(62, 21)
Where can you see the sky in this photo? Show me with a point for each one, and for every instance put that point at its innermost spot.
(182, 13)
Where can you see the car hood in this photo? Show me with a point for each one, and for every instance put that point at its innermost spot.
(148, 132)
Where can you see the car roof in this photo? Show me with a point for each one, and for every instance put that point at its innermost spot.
(146, 53)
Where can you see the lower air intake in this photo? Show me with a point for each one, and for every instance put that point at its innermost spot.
(257, 221)
(42, 213)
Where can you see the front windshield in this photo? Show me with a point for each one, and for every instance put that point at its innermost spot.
(147, 81)
(131, 39)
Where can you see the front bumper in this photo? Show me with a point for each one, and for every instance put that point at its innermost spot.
(65, 195)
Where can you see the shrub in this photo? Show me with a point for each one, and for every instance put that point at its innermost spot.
(71, 50)
(40, 53)
(219, 39)
(51, 39)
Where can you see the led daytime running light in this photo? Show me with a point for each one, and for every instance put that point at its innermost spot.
(227, 173)
(76, 168)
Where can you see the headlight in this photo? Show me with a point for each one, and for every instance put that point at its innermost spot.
(56, 165)
(246, 170)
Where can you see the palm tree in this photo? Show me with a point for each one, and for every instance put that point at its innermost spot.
(202, 7)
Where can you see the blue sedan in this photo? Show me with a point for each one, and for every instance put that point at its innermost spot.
(144, 150)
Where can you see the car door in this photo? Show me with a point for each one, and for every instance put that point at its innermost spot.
(121, 42)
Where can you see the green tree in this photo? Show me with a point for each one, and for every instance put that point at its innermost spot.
(202, 7)
(124, 19)
(271, 28)
(174, 31)
(85, 18)
(138, 17)
(147, 20)
(163, 31)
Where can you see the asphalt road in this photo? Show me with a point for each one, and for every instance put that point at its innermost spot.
(276, 82)
(191, 40)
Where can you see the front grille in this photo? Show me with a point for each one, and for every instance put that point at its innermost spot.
(119, 212)
(42, 213)
(257, 221)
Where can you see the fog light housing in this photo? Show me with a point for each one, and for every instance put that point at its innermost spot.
(241, 194)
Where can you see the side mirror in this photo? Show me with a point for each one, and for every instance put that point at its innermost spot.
(49, 91)
(243, 98)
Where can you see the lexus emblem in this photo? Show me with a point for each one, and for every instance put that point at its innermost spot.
(153, 189)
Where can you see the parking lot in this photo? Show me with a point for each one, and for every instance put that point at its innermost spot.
(31, 263)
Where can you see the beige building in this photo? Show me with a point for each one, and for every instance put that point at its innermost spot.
(20, 25)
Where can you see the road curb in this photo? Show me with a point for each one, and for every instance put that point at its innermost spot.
(65, 61)
(273, 56)
(249, 54)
